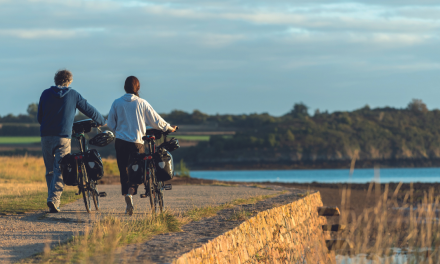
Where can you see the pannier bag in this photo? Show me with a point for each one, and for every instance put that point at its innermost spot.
(170, 145)
(164, 165)
(136, 166)
(69, 170)
(94, 166)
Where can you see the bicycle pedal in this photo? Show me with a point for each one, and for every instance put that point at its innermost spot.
(168, 187)
(102, 194)
(144, 196)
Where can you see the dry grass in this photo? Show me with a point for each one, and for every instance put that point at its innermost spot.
(392, 231)
(26, 169)
(29, 169)
(198, 213)
(240, 215)
(21, 188)
(23, 184)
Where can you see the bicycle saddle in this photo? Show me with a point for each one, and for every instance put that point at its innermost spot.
(154, 132)
(83, 126)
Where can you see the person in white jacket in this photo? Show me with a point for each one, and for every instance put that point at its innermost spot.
(129, 118)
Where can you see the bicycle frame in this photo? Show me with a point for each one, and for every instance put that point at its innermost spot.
(79, 157)
(86, 186)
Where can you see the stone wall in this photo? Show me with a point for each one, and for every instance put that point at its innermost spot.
(290, 233)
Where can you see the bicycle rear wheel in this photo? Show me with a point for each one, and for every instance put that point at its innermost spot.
(95, 194)
(87, 196)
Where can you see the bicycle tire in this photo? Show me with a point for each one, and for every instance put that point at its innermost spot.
(95, 195)
(160, 196)
(85, 189)
(152, 194)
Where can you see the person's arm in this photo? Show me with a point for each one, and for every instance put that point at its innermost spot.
(155, 120)
(89, 110)
(112, 119)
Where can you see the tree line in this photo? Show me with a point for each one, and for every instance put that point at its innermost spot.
(365, 133)
(379, 133)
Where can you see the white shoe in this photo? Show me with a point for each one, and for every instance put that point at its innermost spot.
(129, 200)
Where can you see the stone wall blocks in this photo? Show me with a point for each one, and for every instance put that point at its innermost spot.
(281, 235)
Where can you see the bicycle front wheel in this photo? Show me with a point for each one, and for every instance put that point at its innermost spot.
(87, 195)
(95, 194)
(159, 192)
(153, 198)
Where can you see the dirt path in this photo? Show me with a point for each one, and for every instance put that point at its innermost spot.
(23, 236)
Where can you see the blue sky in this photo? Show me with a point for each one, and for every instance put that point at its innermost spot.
(224, 56)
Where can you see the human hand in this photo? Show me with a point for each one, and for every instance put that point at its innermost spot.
(173, 129)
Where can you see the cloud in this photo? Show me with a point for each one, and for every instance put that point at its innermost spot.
(280, 51)
(48, 33)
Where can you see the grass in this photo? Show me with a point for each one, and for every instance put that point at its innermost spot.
(22, 201)
(23, 169)
(198, 213)
(240, 215)
(393, 231)
(19, 140)
(23, 184)
(198, 137)
(193, 137)
(28, 169)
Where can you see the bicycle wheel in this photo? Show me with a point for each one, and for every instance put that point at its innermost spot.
(87, 196)
(152, 194)
(95, 194)
(160, 196)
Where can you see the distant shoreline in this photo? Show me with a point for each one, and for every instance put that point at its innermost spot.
(319, 164)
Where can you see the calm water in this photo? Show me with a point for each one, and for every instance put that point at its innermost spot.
(329, 176)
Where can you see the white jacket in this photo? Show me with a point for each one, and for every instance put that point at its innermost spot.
(130, 116)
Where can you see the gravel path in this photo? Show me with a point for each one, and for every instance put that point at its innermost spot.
(24, 235)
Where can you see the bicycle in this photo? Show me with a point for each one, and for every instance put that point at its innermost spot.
(153, 187)
(87, 187)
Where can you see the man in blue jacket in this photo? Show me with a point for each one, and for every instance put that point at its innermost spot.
(56, 113)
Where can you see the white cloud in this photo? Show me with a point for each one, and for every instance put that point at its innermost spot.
(38, 33)
(49, 33)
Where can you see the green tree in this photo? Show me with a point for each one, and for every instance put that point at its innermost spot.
(32, 111)
(417, 105)
(299, 110)
(290, 136)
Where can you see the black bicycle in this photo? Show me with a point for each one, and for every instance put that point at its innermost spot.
(86, 186)
(154, 186)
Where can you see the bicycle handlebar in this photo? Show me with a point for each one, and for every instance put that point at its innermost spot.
(157, 133)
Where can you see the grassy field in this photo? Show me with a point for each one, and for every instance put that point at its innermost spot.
(19, 140)
(197, 137)
(23, 184)
(193, 138)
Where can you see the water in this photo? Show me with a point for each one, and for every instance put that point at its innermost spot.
(405, 175)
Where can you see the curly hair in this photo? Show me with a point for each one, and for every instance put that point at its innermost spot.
(132, 85)
(63, 78)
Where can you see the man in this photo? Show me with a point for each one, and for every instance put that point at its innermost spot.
(56, 113)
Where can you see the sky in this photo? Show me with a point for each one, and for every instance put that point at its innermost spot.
(226, 57)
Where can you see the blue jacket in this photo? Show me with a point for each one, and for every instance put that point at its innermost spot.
(57, 108)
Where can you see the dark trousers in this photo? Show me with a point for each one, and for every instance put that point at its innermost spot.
(123, 151)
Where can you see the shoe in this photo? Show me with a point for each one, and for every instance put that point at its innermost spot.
(52, 207)
(129, 201)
